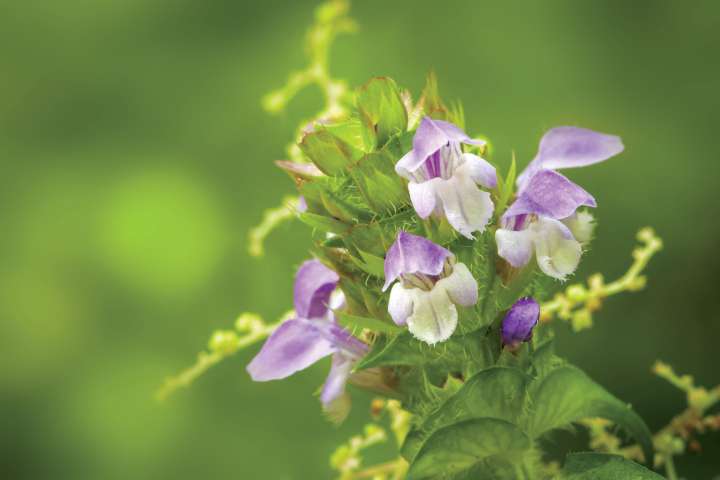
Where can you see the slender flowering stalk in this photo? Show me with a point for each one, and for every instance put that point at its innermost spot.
(249, 329)
(577, 303)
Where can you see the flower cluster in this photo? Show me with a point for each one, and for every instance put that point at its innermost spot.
(446, 186)
(423, 289)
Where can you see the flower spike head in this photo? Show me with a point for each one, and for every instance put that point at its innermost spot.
(431, 285)
(313, 335)
(444, 180)
(569, 147)
(519, 322)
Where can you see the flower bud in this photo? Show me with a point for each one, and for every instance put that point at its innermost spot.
(518, 324)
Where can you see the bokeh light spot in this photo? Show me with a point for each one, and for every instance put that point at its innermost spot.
(161, 232)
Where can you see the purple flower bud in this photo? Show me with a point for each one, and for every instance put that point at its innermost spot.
(518, 324)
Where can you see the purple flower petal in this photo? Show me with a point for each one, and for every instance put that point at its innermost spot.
(294, 346)
(429, 137)
(302, 204)
(344, 341)
(566, 147)
(314, 283)
(413, 254)
(518, 324)
(334, 386)
(480, 170)
(550, 194)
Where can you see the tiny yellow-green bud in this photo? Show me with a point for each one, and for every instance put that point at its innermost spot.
(576, 293)
(581, 320)
(223, 341)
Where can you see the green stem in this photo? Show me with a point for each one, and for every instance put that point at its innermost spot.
(670, 468)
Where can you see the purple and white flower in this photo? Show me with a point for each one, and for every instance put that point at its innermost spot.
(544, 219)
(431, 284)
(311, 336)
(444, 180)
(519, 322)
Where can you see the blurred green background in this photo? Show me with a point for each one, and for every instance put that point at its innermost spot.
(135, 157)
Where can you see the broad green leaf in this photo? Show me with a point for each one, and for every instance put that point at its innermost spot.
(353, 322)
(327, 152)
(455, 354)
(603, 466)
(567, 395)
(380, 105)
(465, 449)
(325, 224)
(497, 392)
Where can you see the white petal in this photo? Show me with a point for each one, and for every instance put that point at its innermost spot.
(461, 286)
(480, 170)
(423, 196)
(434, 317)
(582, 225)
(557, 252)
(400, 304)
(467, 208)
(515, 246)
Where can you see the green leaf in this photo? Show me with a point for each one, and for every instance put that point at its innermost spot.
(353, 322)
(380, 105)
(351, 132)
(370, 264)
(433, 105)
(603, 466)
(468, 448)
(497, 392)
(382, 188)
(405, 350)
(327, 152)
(506, 188)
(567, 395)
(480, 257)
(325, 224)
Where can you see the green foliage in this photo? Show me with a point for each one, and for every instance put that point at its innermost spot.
(601, 466)
(567, 395)
(381, 109)
(326, 151)
(356, 324)
(497, 392)
(475, 448)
